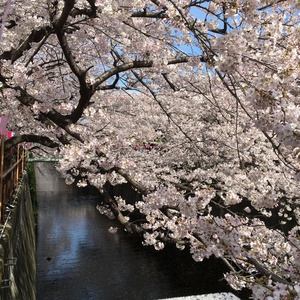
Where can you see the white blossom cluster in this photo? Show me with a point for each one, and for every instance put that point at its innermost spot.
(194, 103)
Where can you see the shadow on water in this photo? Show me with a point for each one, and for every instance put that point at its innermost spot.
(77, 258)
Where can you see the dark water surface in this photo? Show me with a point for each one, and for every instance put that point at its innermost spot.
(77, 258)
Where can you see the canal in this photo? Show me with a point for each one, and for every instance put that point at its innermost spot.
(77, 258)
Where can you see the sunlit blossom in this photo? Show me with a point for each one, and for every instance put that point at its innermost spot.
(193, 105)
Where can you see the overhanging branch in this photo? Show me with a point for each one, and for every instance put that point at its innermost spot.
(30, 138)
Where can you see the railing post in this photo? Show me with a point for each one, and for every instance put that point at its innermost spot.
(3, 124)
(18, 167)
(23, 159)
(1, 178)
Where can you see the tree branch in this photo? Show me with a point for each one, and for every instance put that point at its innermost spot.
(132, 65)
(36, 36)
(139, 187)
(266, 272)
(61, 21)
(30, 138)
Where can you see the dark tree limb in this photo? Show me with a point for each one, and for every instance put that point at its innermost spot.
(30, 138)
(172, 86)
(139, 187)
(267, 272)
(130, 227)
(36, 36)
(136, 64)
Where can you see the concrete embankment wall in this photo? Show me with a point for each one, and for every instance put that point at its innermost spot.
(17, 248)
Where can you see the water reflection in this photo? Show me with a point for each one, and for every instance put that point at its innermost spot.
(77, 258)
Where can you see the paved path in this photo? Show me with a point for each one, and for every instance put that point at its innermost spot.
(218, 296)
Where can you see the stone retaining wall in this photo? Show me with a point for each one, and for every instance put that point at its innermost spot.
(17, 248)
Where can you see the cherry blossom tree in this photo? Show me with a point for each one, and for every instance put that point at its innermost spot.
(195, 104)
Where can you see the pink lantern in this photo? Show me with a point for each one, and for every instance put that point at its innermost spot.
(3, 123)
(9, 134)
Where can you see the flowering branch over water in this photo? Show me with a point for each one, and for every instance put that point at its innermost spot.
(195, 104)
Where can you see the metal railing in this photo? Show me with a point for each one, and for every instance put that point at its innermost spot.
(9, 179)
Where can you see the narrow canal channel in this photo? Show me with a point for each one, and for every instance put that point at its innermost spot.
(77, 258)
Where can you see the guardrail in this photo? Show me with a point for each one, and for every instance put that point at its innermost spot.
(9, 179)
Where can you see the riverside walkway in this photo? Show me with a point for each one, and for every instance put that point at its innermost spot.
(215, 296)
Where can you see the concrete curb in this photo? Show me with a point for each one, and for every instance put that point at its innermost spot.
(217, 296)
